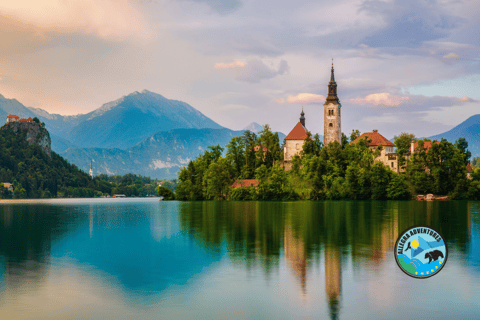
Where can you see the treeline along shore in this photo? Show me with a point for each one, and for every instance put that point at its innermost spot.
(250, 167)
(253, 169)
(30, 170)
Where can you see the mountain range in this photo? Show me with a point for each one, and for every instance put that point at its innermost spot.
(143, 133)
(468, 129)
(146, 133)
(160, 156)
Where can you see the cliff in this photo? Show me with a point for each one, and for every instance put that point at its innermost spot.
(35, 133)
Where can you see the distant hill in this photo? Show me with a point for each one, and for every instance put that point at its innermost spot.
(468, 129)
(159, 156)
(254, 127)
(129, 120)
(12, 106)
(118, 124)
(34, 171)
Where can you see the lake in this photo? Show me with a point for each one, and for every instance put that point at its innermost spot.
(150, 259)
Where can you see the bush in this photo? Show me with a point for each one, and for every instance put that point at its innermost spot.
(398, 188)
(243, 193)
(167, 194)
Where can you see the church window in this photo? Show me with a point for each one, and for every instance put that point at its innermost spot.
(297, 146)
(330, 125)
(392, 164)
(331, 112)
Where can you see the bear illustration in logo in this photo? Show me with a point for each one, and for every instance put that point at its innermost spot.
(433, 255)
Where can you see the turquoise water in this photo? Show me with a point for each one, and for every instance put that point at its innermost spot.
(150, 259)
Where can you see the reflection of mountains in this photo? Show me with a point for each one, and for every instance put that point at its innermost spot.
(254, 231)
(26, 239)
(115, 239)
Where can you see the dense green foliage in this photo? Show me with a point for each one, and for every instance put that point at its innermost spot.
(133, 185)
(35, 174)
(166, 193)
(335, 172)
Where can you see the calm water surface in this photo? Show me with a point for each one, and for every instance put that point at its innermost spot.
(146, 259)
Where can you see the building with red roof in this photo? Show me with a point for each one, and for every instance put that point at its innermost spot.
(414, 147)
(295, 139)
(12, 118)
(376, 141)
(26, 120)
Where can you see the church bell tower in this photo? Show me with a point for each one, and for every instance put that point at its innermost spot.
(331, 123)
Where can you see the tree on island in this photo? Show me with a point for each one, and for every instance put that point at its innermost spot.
(336, 171)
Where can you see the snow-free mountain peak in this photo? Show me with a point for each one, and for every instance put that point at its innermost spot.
(130, 119)
(254, 127)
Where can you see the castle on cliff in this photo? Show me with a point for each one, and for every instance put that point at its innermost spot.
(35, 131)
(15, 118)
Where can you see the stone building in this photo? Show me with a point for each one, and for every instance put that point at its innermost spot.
(295, 139)
(387, 156)
(12, 118)
(332, 115)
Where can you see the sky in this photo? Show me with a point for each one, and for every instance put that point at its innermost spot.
(401, 66)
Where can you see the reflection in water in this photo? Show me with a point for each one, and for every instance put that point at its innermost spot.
(366, 231)
(295, 253)
(333, 280)
(147, 248)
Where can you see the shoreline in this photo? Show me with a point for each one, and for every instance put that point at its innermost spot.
(5, 201)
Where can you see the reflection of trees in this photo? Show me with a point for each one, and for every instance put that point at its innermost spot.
(252, 231)
(25, 240)
(365, 230)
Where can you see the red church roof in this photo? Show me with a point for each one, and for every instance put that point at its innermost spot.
(13, 116)
(298, 133)
(377, 139)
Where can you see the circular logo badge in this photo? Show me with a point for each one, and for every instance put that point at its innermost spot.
(421, 252)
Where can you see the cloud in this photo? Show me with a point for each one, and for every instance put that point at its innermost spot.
(234, 107)
(220, 6)
(256, 71)
(450, 56)
(404, 26)
(302, 98)
(381, 99)
(467, 99)
(111, 19)
(233, 65)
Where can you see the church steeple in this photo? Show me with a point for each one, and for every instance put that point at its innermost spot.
(332, 89)
(91, 168)
(302, 118)
(332, 126)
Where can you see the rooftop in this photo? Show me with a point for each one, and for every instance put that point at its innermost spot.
(426, 145)
(377, 139)
(299, 132)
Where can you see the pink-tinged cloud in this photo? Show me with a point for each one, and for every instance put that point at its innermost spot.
(302, 98)
(111, 19)
(466, 99)
(233, 65)
(450, 56)
(381, 99)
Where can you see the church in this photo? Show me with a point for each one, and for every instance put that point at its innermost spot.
(333, 132)
(331, 123)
